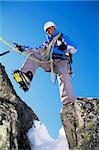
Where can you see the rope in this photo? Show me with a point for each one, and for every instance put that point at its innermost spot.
(15, 49)
(46, 54)
(51, 45)
(49, 52)
(52, 69)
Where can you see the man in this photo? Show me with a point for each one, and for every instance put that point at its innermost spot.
(57, 48)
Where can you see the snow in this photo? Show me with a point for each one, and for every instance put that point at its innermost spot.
(89, 98)
(41, 140)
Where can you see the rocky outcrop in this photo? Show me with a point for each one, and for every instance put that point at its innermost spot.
(81, 124)
(80, 120)
(16, 118)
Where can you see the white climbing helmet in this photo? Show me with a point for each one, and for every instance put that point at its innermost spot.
(48, 24)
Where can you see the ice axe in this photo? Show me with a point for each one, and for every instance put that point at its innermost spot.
(1, 54)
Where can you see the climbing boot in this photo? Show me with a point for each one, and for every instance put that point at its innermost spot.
(23, 79)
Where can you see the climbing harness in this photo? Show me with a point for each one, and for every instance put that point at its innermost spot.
(70, 64)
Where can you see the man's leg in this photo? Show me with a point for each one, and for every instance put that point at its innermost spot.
(29, 65)
(64, 80)
(27, 71)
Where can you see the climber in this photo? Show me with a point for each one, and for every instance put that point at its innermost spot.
(57, 47)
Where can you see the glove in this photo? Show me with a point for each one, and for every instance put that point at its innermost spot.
(19, 47)
(71, 49)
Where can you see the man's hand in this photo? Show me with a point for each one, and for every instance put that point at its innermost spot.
(71, 49)
(19, 47)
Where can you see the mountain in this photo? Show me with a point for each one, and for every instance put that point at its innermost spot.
(16, 118)
(20, 127)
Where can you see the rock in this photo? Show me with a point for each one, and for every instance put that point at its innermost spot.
(8, 125)
(80, 120)
(81, 123)
(16, 118)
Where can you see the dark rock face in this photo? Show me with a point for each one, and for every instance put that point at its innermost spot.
(8, 125)
(81, 124)
(16, 118)
(80, 120)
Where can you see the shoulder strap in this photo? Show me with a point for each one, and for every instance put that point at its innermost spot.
(51, 45)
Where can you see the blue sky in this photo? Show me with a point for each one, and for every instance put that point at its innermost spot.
(23, 21)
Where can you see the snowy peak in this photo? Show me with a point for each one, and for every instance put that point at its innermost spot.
(41, 140)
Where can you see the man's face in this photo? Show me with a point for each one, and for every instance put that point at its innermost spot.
(50, 30)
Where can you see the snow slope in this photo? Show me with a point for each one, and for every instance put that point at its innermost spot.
(41, 140)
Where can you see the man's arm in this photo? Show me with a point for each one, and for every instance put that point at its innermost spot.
(71, 46)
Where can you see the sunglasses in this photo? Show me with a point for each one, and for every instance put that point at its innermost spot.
(48, 29)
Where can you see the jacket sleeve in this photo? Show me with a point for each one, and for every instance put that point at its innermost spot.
(38, 49)
(71, 46)
(25, 47)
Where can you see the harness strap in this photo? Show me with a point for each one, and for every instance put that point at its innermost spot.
(48, 53)
(51, 45)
